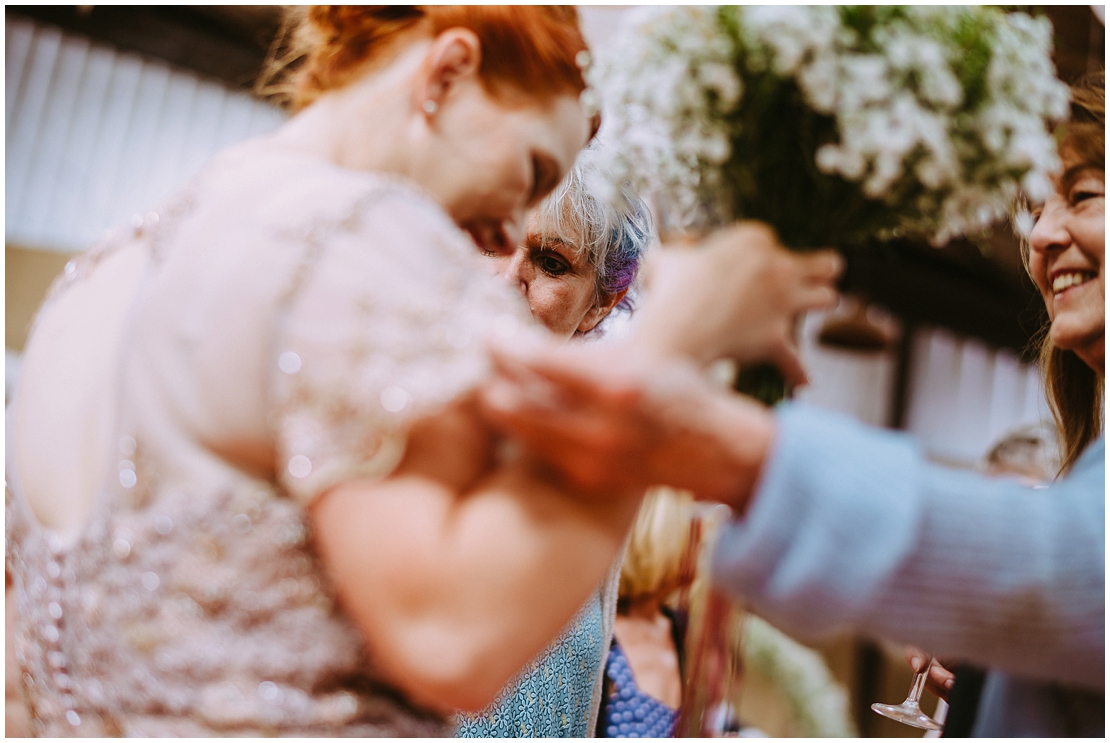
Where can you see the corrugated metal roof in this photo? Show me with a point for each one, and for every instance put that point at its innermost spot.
(95, 135)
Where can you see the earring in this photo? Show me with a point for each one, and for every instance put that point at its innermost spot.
(430, 106)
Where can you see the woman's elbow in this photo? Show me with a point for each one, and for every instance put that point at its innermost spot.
(446, 667)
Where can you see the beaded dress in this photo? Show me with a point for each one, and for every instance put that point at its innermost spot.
(290, 319)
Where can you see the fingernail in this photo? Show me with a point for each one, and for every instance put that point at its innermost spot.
(949, 683)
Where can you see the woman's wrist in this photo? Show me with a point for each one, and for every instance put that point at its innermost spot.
(745, 430)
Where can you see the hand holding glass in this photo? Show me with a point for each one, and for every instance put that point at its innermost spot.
(909, 712)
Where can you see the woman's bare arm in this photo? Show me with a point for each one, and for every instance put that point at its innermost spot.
(457, 571)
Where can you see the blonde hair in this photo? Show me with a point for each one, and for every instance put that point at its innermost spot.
(657, 562)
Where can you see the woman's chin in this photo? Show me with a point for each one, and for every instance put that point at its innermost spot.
(1073, 334)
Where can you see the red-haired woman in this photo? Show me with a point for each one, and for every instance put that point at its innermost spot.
(217, 438)
(248, 490)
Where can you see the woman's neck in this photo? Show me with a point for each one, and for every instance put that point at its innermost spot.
(1094, 355)
(646, 639)
(644, 608)
(367, 124)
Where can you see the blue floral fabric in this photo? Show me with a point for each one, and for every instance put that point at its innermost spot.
(552, 697)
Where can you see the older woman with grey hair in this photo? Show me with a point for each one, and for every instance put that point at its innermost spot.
(582, 253)
(578, 264)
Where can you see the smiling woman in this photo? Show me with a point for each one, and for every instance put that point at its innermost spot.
(1066, 262)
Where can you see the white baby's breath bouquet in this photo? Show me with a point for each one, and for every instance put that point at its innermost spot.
(837, 125)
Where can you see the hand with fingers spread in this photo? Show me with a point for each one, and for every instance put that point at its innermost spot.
(737, 295)
(613, 420)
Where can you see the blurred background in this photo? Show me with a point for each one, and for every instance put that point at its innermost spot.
(935, 342)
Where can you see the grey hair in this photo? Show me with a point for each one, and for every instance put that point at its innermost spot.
(611, 237)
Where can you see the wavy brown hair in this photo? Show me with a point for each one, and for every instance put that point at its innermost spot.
(1075, 390)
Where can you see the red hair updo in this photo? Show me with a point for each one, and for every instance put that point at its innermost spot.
(530, 49)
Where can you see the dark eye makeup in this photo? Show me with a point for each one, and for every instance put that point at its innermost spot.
(550, 262)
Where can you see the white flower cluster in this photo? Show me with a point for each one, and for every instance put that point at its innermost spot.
(664, 92)
(910, 135)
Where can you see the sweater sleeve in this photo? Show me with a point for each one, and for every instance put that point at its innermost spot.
(852, 529)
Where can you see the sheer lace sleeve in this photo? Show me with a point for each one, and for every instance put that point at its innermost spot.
(385, 321)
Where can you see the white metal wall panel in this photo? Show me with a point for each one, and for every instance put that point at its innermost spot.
(1007, 405)
(173, 128)
(964, 396)
(45, 164)
(17, 50)
(95, 135)
(935, 372)
(73, 198)
(140, 142)
(26, 119)
(859, 384)
(969, 431)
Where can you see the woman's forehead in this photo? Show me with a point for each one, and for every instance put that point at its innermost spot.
(567, 246)
(1075, 171)
(556, 228)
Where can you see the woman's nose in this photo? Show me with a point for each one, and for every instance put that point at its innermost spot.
(514, 269)
(514, 228)
(1050, 232)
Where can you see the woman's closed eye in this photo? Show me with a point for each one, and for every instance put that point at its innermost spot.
(1078, 195)
(1082, 185)
(545, 176)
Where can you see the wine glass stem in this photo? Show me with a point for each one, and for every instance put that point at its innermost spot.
(919, 683)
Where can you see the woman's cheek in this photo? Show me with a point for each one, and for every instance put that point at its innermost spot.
(1038, 271)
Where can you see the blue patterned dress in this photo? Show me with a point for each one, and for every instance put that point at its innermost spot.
(554, 696)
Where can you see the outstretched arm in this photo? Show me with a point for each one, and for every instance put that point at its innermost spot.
(841, 526)
(614, 419)
(851, 527)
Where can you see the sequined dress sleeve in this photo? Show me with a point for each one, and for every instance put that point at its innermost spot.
(376, 338)
(291, 321)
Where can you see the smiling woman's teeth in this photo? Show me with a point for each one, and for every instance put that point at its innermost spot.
(1067, 280)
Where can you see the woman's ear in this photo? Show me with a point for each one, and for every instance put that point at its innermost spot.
(455, 55)
(600, 311)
